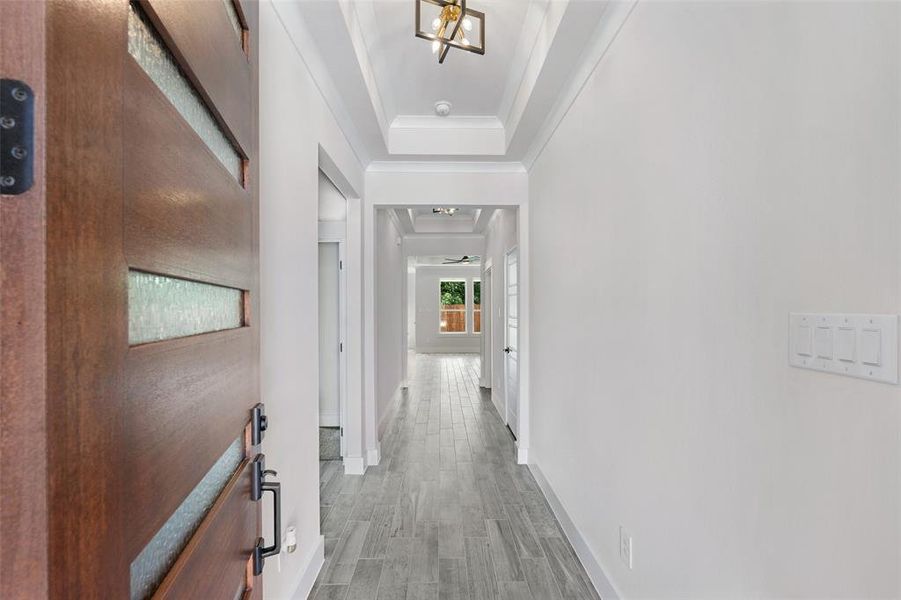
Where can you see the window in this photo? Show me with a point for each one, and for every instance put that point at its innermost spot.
(452, 318)
(477, 306)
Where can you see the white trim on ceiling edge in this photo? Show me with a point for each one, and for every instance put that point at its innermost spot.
(583, 551)
(424, 166)
(615, 15)
(309, 570)
(384, 105)
(312, 60)
(352, 19)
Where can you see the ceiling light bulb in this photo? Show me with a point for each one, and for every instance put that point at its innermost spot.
(467, 24)
(436, 24)
(435, 46)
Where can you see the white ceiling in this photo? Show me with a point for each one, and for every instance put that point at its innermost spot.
(409, 79)
(422, 220)
(382, 82)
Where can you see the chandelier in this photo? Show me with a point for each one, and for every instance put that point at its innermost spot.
(449, 24)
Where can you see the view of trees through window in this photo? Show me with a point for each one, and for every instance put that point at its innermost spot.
(453, 307)
(476, 306)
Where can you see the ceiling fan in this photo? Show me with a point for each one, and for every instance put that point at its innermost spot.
(465, 260)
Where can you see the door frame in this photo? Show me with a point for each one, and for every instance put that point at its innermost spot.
(399, 186)
(487, 325)
(331, 235)
(351, 409)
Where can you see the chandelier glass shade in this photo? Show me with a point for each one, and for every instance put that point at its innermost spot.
(450, 24)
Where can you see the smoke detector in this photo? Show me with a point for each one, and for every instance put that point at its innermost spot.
(443, 108)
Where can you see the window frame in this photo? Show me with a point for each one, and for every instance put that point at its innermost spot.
(466, 305)
(471, 305)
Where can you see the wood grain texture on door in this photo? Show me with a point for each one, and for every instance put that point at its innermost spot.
(103, 440)
(23, 460)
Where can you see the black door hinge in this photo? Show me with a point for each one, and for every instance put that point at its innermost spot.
(16, 137)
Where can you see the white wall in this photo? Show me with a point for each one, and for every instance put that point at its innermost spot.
(391, 272)
(726, 163)
(411, 306)
(433, 244)
(401, 188)
(428, 337)
(328, 335)
(294, 122)
(501, 235)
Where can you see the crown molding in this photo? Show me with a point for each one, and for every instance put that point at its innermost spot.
(390, 166)
(528, 38)
(352, 19)
(546, 19)
(449, 122)
(615, 15)
(309, 55)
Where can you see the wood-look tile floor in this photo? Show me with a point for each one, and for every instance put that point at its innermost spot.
(448, 513)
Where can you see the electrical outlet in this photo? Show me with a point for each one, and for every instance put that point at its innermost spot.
(625, 546)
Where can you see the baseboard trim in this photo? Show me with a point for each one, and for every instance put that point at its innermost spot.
(374, 456)
(497, 401)
(329, 418)
(310, 570)
(392, 407)
(522, 454)
(588, 558)
(354, 465)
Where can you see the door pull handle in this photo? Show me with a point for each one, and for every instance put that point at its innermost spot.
(258, 487)
(261, 552)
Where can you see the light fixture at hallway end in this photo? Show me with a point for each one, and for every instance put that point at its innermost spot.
(443, 108)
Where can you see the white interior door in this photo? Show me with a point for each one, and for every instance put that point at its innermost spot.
(511, 338)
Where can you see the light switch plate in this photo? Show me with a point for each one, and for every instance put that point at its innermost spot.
(846, 344)
(856, 345)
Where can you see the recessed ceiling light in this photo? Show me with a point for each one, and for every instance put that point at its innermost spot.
(443, 108)
(445, 211)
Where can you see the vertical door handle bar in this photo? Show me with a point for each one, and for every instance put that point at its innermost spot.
(262, 552)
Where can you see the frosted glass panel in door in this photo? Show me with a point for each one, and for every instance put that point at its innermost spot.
(162, 308)
(150, 566)
(149, 51)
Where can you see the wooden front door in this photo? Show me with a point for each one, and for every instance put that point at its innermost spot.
(145, 205)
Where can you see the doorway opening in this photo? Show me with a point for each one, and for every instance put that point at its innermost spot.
(332, 321)
(330, 380)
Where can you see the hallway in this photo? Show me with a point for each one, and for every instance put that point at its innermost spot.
(447, 513)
